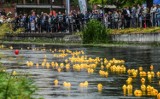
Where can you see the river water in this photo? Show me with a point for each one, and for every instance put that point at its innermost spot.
(112, 86)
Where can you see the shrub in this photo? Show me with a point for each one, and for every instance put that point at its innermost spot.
(7, 28)
(95, 32)
(15, 86)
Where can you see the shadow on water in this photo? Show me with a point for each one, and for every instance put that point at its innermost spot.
(134, 57)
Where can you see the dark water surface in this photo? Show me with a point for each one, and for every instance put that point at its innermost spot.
(134, 57)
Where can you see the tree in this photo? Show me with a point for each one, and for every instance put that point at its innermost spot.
(97, 1)
(118, 3)
(149, 3)
(74, 3)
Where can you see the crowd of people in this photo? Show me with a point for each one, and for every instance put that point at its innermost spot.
(135, 16)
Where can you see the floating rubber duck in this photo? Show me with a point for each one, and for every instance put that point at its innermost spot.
(67, 66)
(56, 82)
(149, 89)
(129, 80)
(138, 93)
(124, 89)
(140, 68)
(48, 65)
(14, 73)
(154, 92)
(11, 47)
(152, 73)
(142, 74)
(84, 84)
(158, 74)
(59, 69)
(29, 63)
(37, 65)
(100, 87)
(102, 67)
(129, 89)
(143, 88)
(150, 77)
(158, 96)
(135, 74)
(67, 85)
(143, 80)
(61, 65)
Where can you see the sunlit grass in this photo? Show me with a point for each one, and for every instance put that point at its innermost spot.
(136, 30)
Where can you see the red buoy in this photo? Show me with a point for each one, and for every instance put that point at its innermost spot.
(16, 52)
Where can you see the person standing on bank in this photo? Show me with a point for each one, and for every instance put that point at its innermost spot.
(127, 17)
(60, 22)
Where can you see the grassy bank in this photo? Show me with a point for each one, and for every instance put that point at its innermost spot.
(136, 30)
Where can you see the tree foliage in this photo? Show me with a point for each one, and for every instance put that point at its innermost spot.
(118, 3)
(74, 2)
(7, 28)
(97, 1)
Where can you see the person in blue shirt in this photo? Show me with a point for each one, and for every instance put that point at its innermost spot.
(158, 15)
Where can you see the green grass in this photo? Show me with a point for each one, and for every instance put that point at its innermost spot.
(136, 30)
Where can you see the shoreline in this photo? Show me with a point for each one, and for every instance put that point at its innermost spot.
(81, 45)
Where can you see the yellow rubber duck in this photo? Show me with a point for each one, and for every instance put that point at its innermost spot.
(81, 85)
(102, 67)
(158, 96)
(86, 84)
(138, 93)
(43, 64)
(158, 74)
(64, 84)
(90, 71)
(149, 89)
(129, 80)
(140, 68)
(37, 65)
(11, 47)
(143, 80)
(56, 82)
(129, 88)
(67, 66)
(124, 89)
(47, 65)
(129, 71)
(100, 87)
(154, 92)
(14, 73)
(134, 74)
(143, 88)
(152, 73)
(150, 77)
(59, 69)
(61, 65)
(67, 85)
(106, 74)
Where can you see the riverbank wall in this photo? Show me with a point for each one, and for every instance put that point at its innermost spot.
(137, 37)
(126, 38)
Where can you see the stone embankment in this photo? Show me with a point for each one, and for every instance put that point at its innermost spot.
(137, 37)
(68, 37)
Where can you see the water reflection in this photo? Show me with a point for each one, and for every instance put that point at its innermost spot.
(134, 57)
